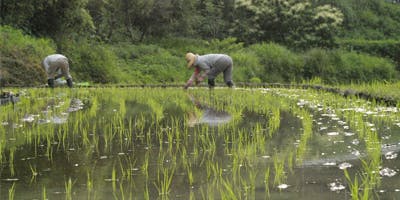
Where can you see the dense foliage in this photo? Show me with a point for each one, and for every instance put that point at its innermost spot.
(21, 56)
(144, 41)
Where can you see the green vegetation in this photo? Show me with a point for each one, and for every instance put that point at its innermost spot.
(164, 63)
(270, 41)
(149, 142)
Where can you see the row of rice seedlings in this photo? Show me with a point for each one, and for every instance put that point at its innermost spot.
(274, 121)
(377, 88)
(206, 141)
(369, 178)
(307, 123)
(210, 167)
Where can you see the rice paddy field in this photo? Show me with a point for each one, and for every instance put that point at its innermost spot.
(168, 143)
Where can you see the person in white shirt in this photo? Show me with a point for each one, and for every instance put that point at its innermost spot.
(57, 66)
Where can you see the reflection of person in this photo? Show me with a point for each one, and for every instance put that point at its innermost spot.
(212, 65)
(209, 115)
(57, 66)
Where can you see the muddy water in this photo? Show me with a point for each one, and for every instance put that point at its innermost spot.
(102, 147)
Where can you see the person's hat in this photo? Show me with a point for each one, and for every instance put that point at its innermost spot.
(190, 58)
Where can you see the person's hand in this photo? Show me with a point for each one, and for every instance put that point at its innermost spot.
(189, 83)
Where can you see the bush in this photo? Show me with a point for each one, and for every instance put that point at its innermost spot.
(338, 66)
(384, 48)
(93, 62)
(255, 80)
(21, 57)
(364, 68)
(278, 63)
(246, 65)
(322, 64)
(152, 63)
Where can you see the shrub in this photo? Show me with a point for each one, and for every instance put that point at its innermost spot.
(93, 62)
(21, 57)
(255, 80)
(246, 65)
(279, 64)
(338, 66)
(320, 63)
(361, 67)
(383, 48)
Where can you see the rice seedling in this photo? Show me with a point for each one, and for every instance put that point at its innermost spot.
(146, 193)
(279, 166)
(89, 184)
(11, 161)
(228, 192)
(68, 189)
(189, 173)
(114, 179)
(11, 192)
(164, 180)
(266, 181)
(44, 193)
(146, 130)
(145, 165)
(34, 172)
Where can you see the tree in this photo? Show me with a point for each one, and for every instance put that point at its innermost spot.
(56, 19)
(294, 23)
(215, 18)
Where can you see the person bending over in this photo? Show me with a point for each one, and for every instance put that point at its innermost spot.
(209, 65)
(57, 66)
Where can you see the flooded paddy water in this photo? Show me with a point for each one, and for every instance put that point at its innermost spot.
(165, 143)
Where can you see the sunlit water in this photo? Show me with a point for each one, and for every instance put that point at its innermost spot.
(114, 146)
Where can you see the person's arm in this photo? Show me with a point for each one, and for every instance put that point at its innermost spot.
(192, 78)
(203, 75)
(206, 70)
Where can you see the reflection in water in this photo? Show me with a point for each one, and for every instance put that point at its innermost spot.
(209, 116)
(51, 115)
(117, 148)
(74, 105)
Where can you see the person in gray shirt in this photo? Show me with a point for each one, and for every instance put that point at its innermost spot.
(211, 65)
(57, 66)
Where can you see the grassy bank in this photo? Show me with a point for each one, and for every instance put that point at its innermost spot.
(162, 61)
